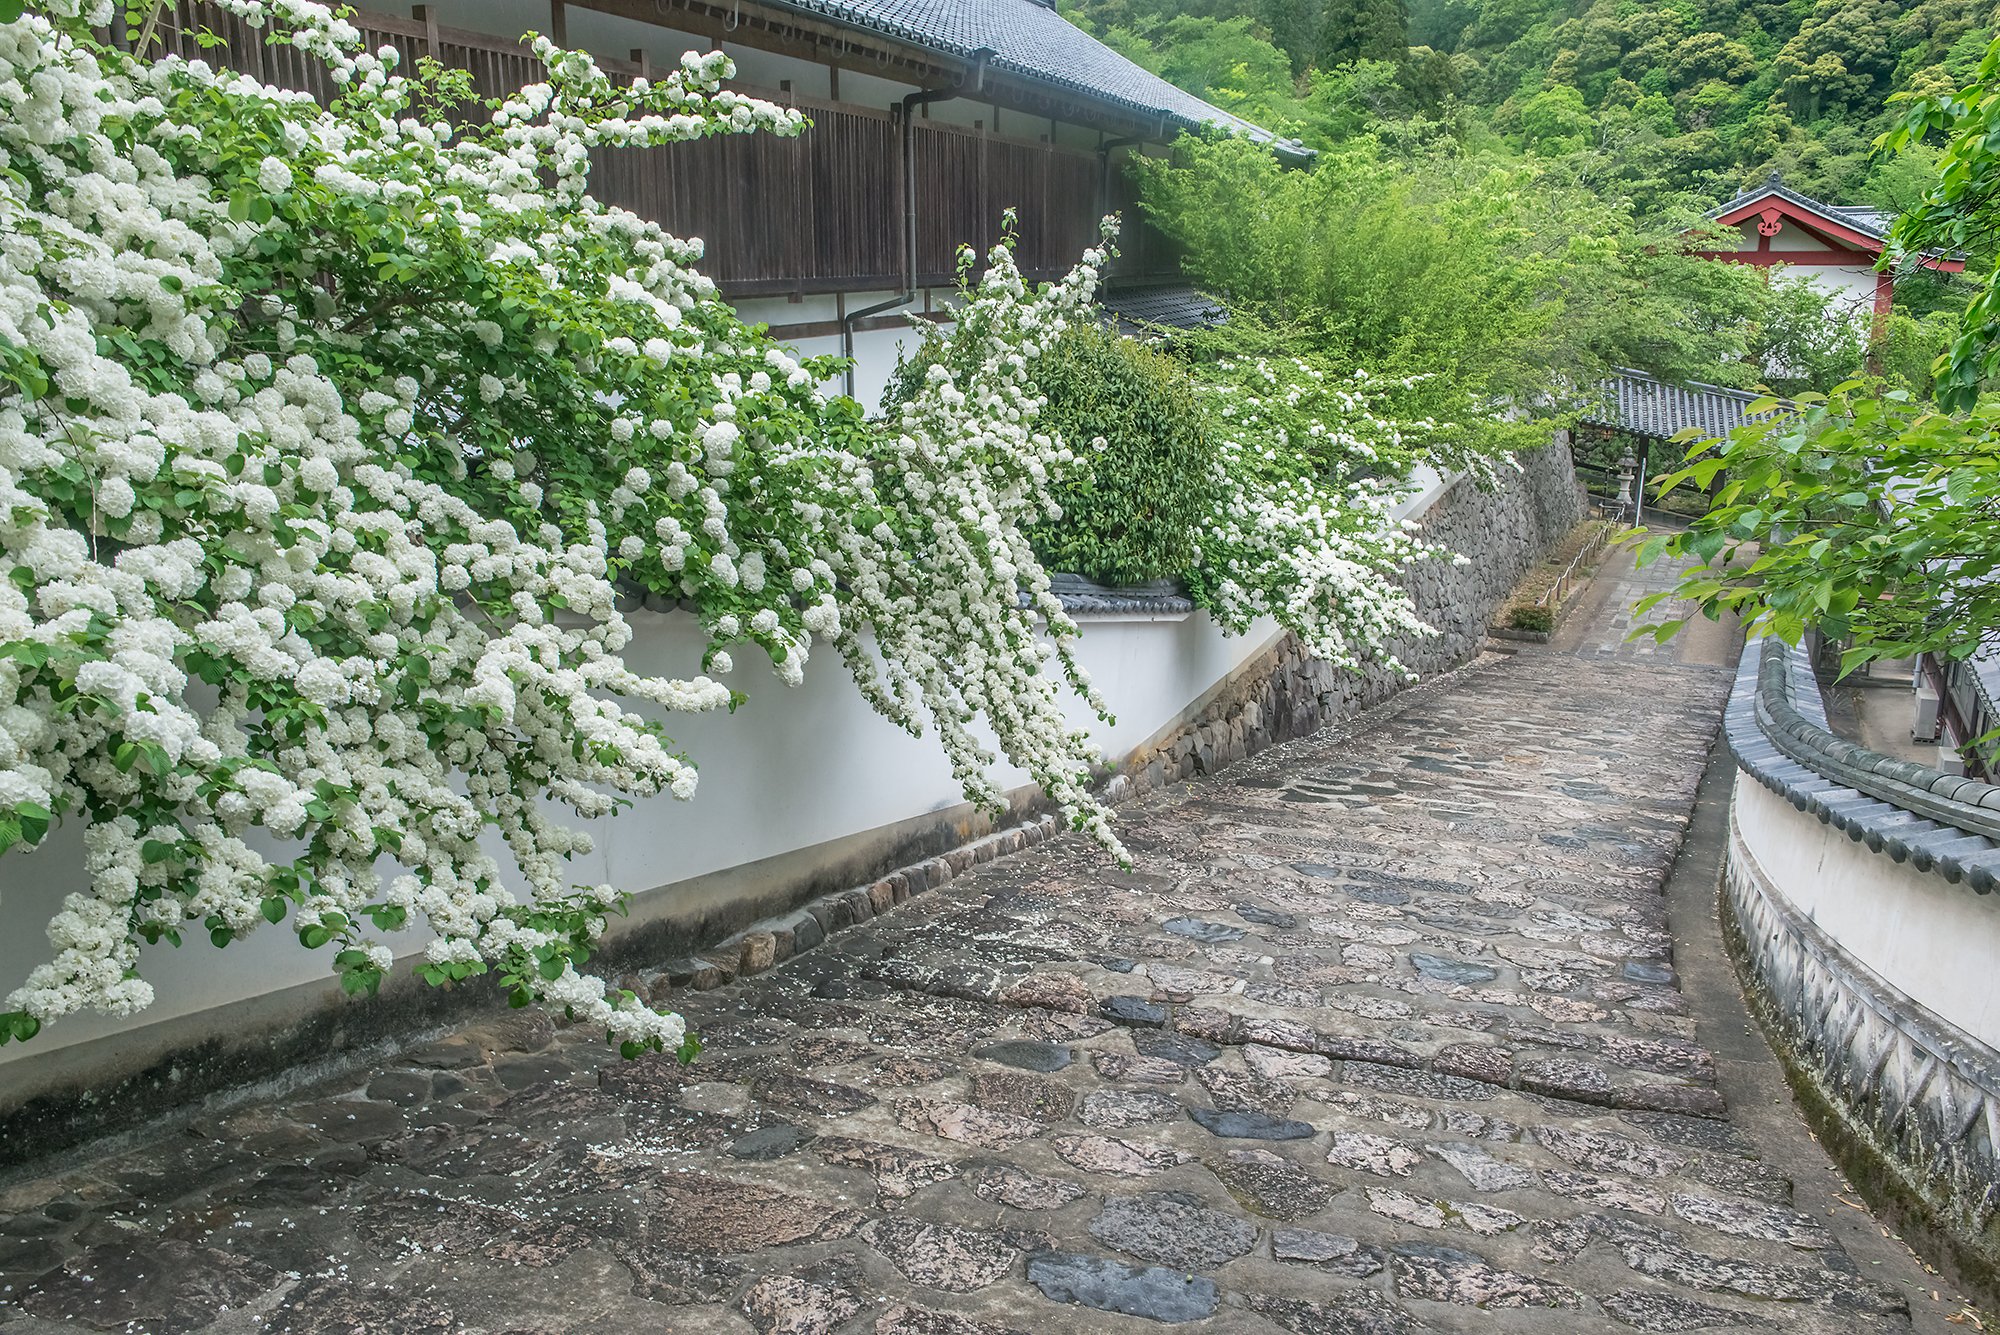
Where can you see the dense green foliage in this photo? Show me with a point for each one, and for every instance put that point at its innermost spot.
(1959, 212)
(1695, 95)
(1131, 514)
(1146, 477)
(1868, 514)
(1864, 515)
(1608, 127)
(1491, 281)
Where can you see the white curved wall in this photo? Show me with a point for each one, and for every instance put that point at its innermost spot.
(1936, 943)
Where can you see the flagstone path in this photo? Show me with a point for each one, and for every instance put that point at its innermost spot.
(1382, 1035)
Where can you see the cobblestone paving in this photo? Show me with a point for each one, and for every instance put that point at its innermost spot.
(1381, 1036)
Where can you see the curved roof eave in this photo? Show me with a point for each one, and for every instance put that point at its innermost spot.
(1215, 118)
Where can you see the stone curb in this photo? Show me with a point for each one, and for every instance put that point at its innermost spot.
(763, 945)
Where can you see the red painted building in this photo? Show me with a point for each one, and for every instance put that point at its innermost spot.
(1835, 247)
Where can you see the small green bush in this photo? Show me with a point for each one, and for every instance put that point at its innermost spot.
(1532, 618)
(1132, 514)
(1131, 509)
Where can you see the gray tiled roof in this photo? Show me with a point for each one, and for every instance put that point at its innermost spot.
(1866, 219)
(1030, 39)
(1173, 306)
(1645, 406)
(1873, 221)
(1160, 597)
(1870, 222)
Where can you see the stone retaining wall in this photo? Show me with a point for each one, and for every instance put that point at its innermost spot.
(1285, 693)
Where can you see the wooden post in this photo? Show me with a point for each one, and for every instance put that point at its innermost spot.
(558, 23)
(427, 15)
(643, 61)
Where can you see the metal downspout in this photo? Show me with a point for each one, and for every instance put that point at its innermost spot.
(1104, 168)
(975, 83)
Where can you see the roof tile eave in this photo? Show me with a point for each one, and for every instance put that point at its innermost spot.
(953, 24)
(1837, 214)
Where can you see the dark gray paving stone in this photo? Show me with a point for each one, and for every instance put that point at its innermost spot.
(1027, 1054)
(1452, 971)
(770, 1142)
(1112, 1286)
(1127, 1009)
(1639, 971)
(1209, 933)
(1238, 1125)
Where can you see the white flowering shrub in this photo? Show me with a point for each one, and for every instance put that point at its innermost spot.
(940, 568)
(328, 436)
(1309, 469)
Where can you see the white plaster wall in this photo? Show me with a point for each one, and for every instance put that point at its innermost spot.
(790, 769)
(1793, 237)
(1935, 942)
(1853, 289)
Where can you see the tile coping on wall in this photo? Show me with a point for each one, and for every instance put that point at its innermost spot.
(1937, 822)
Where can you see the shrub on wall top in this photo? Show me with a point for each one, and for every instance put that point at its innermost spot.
(1133, 510)
(1133, 514)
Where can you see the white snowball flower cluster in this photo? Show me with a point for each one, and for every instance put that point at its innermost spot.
(254, 599)
(321, 470)
(945, 579)
(1308, 474)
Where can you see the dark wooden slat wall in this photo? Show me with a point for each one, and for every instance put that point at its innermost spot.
(819, 213)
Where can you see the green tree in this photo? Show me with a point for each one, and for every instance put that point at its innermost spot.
(1703, 56)
(1960, 212)
(1555, 121)
(1224, 60)
(1869, 514)
(1864, 515)
(1363, 30)
(1842, 55)
(1132, 511)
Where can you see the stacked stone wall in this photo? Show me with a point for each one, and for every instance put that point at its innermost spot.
(1502, 530)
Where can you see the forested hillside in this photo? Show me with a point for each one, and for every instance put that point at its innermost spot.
(1494, 162)
(1701, 96)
